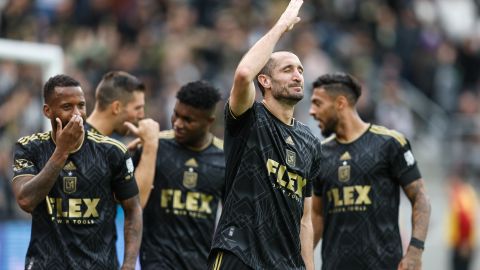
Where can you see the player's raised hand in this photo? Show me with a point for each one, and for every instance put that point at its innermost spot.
(69, 137)
(147, 129)
(290, 16)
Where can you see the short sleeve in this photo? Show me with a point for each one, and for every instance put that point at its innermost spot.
(402, 163)
(24, 161)
(124, 184)
(316, 168)
(235, 124)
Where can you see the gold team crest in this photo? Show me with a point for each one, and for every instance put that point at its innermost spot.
(291, 158)
(190, 178)
(344, 172)
(69, 184)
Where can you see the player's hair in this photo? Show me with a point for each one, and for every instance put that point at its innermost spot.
(60, 80)
(340, 84)
(266, 70)
(199, 94)
(117, 85)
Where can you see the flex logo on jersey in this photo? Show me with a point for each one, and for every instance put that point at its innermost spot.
(289, 180)
(73, 210)
(196, 204)
(349, 198)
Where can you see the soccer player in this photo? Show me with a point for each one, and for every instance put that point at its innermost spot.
(271, 159)
(69, 180)
(357, 194)
(179, 218)
(119, 109)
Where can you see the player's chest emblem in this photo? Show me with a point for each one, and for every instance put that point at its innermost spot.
(190, 178)
(69, 184)
(70, 181)
(291, 158)
(344, 172)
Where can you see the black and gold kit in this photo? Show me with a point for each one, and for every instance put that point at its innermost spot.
(73, 228)
(179, 218)
(269, 168)
(359, 185)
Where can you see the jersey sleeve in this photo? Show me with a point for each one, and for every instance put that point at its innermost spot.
(124, 184)
(315, 170)
(235, 124)
(136, 156)
(24, 161)
(317, 179)
(402, 163)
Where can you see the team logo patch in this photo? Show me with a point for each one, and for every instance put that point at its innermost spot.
(190, 178)
(291, 158)
(344, 173)
(21, 164)
(69, 184)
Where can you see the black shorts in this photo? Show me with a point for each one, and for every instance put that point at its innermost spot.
(225, 260)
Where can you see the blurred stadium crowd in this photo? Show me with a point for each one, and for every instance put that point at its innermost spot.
(427, 47)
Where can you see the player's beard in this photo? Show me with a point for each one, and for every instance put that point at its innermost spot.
(330, 126)
(282, 93)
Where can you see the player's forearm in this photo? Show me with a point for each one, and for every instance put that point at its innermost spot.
(132, 232)
(256, 58)
(420, 216)
(317, 223)
(145, 172)
(31, 192)
(306, 235)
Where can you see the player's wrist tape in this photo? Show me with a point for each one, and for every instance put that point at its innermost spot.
(414, 242)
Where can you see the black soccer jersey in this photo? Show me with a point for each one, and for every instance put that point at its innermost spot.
(269, 167)
(73, 228)
(179, 218)
(360, 188)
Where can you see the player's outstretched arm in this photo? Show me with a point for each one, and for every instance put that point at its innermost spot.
(317, 219)
(31, 190)
(147, 133)
(421, 209)
(132, 231)
(306, 234)
(242, 94)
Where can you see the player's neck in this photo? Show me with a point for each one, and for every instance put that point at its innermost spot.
(202, 143)
(282, 111)
(101, 122)
(350, 128)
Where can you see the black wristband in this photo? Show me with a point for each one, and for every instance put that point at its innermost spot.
(414, 242)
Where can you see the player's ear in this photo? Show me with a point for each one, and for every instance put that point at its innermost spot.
(264, 80)
(116, 107)
(47, 111)
(341, 102)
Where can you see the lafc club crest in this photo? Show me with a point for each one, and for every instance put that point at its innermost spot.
(344, 173)
(190, 178)
(69, 184)
(291, 158)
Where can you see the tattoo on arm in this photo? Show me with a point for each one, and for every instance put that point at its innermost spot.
(421, 209)
(132, 231)
(30, 191)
